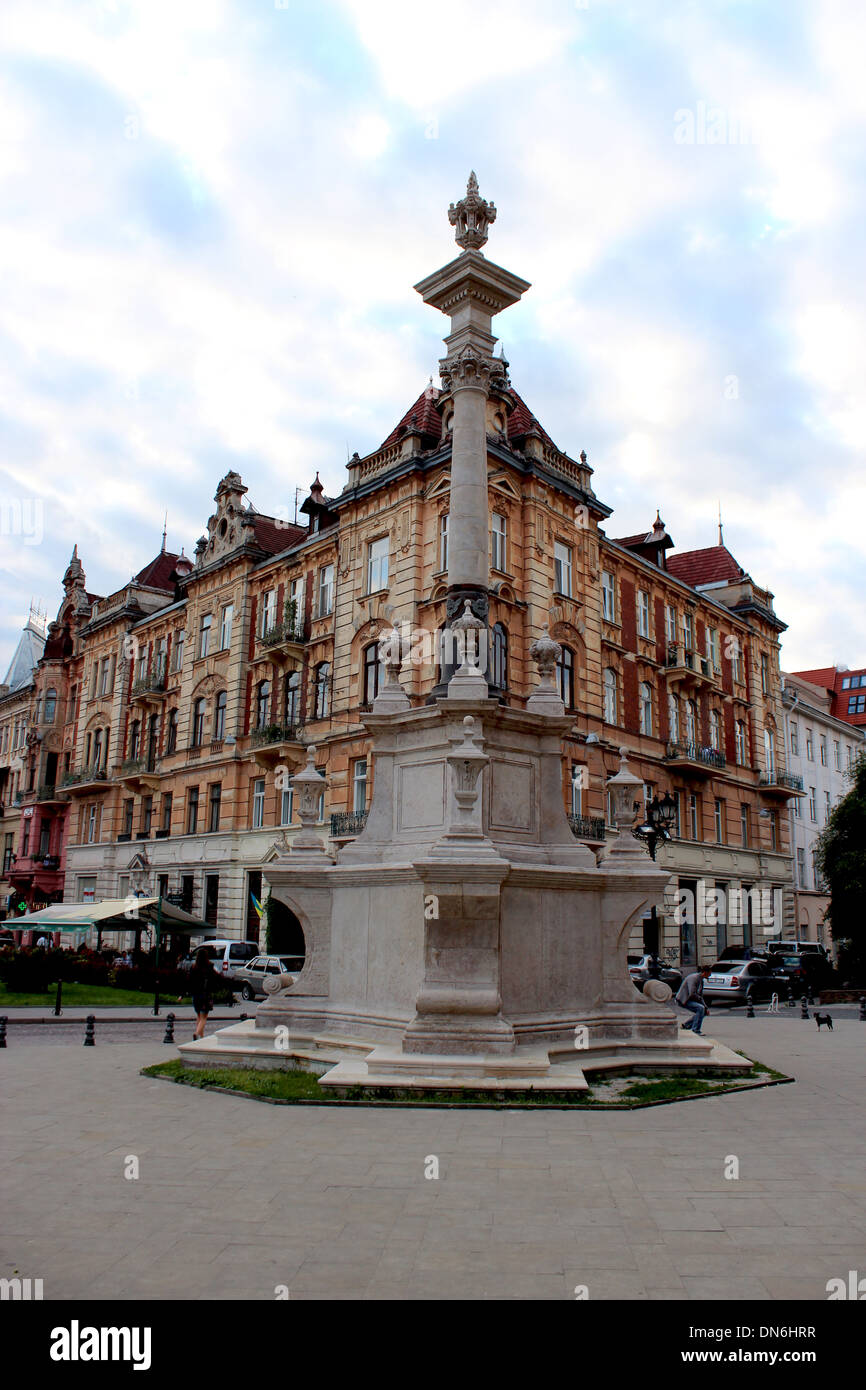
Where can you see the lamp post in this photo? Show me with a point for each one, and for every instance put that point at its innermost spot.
(660, 815)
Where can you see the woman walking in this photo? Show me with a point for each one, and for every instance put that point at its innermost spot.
(202, 979)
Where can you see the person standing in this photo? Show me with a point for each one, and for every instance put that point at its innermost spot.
(690, 995)
(202, 980)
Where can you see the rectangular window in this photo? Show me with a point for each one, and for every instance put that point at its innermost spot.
(737, 662)
(211, 898)
(377, 565)
(204, 634)
(813, 805)
(287, 805)
(774, 830)
(359, 786)
(160, 659)
(216, 792)
(857, 704)
(801, 868)
(798, 807)
(8, 851)
(269, 612)
(608, 596)
(670, 622)
(258, 803)
(713, 650)
(326, 590)
(837, 755)
(321, 808)
(146, 815)
(226, 621)
(795, 740)
(443, 542)
(180, 639)
(822, 750)
(826, 807)
(579, 780)
(191, 810)
(744, 825)
(91, 824)
(694, 824)
(643, 613)
(87, 890)
(497, 542)
(128, 813)
(562, 568)
(689, 632)
(719, 818)
(765, 674)
(810, 751)
(167, 799)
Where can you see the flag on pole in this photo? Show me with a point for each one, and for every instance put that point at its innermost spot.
(257, 905)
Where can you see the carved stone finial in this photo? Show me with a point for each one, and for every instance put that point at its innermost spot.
(471, 216)
(545, 698)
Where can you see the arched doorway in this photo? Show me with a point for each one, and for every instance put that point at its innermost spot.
(285, 935)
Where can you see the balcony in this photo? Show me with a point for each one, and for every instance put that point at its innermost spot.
(781, 784)
(692, 757)
(346, 825)
(140, 772)
(83, 780)
(149, 688)
(274, 743)
(588, 828)
(49, 794)
(284, 642)
(689, 668)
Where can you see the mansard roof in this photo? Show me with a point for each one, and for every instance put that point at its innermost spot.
(713, 565)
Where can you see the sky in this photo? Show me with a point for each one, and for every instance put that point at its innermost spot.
(212, 215)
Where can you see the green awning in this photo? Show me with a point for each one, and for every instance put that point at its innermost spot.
(111, 915)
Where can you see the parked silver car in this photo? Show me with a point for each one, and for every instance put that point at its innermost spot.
(640, 970)
(736, 981)
(250, 978)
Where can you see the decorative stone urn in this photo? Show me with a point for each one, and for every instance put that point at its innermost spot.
(545, 698)
(308, 786)
(468, 681)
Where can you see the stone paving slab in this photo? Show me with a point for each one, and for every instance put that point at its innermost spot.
(235, 1198)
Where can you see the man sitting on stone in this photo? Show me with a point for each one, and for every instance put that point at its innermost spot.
(690, 995)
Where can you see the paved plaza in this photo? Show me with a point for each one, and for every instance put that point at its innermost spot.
(236, 1198)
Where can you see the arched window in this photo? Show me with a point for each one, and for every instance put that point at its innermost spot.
(293, 698)
(263, 704)
(50, 705)
(171, 739)
(715, 730)
(219, 718)
(691, 722)
(323, 690)
(135, 738)
(565, 677)
(740, 743)
(609, 691)
(674, 718)
(373, 673)
(499, 663)
(646, 707)
(198, 723)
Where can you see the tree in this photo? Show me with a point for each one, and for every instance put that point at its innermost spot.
(840, 857)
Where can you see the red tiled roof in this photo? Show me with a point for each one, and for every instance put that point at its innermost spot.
(427, 417)
(628, 541)
(429, 421)
(824, 676)
(274, 537)
(158, 573)
(713, 565)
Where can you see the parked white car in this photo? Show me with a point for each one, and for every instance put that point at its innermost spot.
(251, 977)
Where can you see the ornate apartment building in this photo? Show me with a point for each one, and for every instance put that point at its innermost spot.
(822, 749)
(183, 703)
(16, 702)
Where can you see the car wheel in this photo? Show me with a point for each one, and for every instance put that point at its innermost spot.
(247, 993)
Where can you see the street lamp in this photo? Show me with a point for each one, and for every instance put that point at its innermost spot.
(661, 813)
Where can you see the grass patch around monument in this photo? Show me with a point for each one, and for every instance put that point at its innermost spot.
(81, 997)
(627, 1092)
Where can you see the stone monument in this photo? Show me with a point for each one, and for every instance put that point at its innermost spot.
(465, 938)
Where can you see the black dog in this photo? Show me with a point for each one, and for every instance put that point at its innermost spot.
(824, 1018)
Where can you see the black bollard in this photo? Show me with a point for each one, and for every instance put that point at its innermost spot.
(89, 1027)
(789, 995)
(58, 999)
(750, 1007)
(810, 997)
(169, 1028)
(804, 1011)
(3, 1031)
(863, 1008)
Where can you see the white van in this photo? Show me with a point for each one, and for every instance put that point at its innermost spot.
(226, 956)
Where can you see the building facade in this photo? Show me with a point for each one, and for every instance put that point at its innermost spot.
(16, 703)
(184, 702)
(845, 689)
(822, 750)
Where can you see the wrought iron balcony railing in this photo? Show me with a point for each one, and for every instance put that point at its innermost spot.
(789, 780)
(290, 630)
(275, 733)
(345, 824)
(695, 753)
(150, 684)
(84, 774)
(587, 827)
